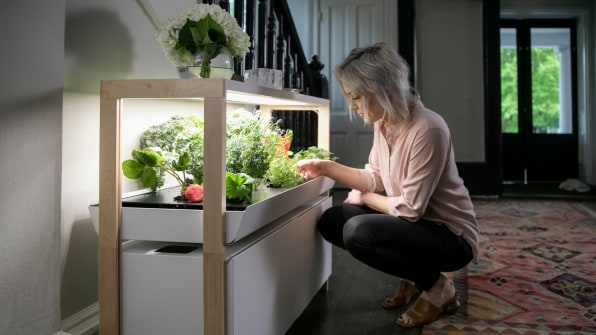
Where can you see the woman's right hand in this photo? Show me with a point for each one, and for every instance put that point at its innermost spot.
(311, 168)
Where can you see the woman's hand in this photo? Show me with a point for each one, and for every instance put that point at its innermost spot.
(311, 168)
(315, 167)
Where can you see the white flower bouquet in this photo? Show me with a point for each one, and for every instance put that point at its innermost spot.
(205, 29)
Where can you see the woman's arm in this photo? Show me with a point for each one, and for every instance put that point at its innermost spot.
(313, 168)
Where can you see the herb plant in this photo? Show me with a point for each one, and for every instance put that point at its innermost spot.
(178, 135)
(257, 152)
(250, 144)
(283, 171)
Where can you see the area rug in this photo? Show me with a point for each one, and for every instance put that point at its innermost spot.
(536, 273)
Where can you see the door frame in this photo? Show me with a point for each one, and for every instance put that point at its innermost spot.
(525, 159)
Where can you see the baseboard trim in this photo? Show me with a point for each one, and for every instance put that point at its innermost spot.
(84, 322)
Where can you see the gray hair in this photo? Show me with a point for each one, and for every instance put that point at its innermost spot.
(380, 70)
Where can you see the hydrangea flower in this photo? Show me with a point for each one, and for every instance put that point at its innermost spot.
(181, 37)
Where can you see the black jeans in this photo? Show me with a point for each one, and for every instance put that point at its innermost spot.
(416, 251)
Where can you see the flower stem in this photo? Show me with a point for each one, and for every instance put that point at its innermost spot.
(205, 67)
(180, 181)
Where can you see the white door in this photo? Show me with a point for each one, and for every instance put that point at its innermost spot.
(346, 24)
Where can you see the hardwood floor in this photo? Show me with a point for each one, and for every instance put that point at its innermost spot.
(545, 190)
(352, 303)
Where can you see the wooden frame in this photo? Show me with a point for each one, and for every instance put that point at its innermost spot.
(216, 94)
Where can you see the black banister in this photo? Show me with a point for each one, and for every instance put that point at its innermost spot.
(249, 28)
(276, 44)
(261, 37)
(279, 53)
(270, 38)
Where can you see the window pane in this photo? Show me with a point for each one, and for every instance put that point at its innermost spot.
(509, 106)
(551, 81)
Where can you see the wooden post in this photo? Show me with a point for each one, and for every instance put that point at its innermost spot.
(214, 207)
(110, 194)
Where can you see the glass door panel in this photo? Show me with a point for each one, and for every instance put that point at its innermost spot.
(509, 85)
(551, 81)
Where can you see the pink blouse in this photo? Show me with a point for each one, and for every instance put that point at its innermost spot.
(415, 167)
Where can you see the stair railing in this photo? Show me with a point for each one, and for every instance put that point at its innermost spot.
(275, 44)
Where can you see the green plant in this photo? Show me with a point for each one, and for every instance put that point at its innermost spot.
(256, 152)
(147, 164)
(250, 144)
(239, 187)
(176, 136)
(314, 152)
(283, 171)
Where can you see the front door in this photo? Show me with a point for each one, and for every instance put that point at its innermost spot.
(538, 100)
(346, 24)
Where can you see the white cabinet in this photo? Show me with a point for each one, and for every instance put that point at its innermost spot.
(271, 277)
(271, 282)
(271, 274)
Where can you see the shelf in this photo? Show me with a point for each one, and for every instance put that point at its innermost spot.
(157, 217)
(215, 94)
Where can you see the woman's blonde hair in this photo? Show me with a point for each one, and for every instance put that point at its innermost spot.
(379, 70)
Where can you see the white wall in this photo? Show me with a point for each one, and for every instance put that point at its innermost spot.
(31, 77)
(450, 58)
(302, 13)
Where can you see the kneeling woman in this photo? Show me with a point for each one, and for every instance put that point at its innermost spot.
(408, 213)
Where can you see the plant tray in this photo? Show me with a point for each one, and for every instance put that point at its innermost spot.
(158, 217)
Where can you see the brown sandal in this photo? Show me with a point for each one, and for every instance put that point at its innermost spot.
(402, 295)
(423, 312)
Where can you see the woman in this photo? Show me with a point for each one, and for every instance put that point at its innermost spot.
(408, 213)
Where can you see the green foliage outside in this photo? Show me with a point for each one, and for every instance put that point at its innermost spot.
(545, 90)
(509, 100)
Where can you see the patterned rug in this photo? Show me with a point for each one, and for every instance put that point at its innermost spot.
(536, 274)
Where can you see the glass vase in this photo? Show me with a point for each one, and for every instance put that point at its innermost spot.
(210, 61)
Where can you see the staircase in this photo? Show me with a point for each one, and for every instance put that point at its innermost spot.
(276, 44)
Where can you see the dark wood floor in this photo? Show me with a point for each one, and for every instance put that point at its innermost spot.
(545, 190)
(352, 303)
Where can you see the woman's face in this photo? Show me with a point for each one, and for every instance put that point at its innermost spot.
(373, 113)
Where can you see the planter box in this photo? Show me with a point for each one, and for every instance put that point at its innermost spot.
(157, 217)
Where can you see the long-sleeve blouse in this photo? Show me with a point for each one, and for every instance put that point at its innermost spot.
(414, 165)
